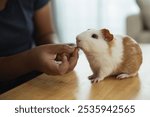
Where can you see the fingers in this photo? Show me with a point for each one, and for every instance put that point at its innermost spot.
(63, 67)
(71, 44)
(51, 68)
(61, 48)
(67, 62)
(57, 68)
(59, 56)
(73, 60)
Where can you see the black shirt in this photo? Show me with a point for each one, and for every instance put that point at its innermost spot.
(17, 26)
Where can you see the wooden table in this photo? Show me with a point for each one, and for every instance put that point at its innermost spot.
(75, 85)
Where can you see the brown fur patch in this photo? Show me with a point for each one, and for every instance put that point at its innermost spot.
(132, 58)
(109, 38)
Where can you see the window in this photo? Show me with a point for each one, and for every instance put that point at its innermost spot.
(75, 16)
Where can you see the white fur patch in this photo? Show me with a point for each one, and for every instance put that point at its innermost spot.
(97, 51)
(117, 51)
(108, 63)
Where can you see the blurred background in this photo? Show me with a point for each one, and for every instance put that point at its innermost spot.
(75, 16)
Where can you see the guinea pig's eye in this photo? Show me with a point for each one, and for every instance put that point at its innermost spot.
(95, 36)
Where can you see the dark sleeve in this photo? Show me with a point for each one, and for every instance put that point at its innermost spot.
(40, 3)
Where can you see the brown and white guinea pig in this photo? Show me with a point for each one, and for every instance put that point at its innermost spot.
(110, 55)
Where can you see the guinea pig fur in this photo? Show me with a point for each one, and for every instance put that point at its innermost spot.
(110, 55)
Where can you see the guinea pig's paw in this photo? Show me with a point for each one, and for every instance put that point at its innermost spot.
(122, 76)
(96, 80)
(92, 77)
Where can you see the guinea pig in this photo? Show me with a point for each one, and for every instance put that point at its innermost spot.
(110, 55)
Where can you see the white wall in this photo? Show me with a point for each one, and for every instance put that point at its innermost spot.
(75, 16)
(113, 14)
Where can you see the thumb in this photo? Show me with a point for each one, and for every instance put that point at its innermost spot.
(62, 48)
(73, 60)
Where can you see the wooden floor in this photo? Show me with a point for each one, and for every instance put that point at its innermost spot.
(76, 86)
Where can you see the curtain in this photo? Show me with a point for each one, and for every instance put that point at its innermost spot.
(75, 16)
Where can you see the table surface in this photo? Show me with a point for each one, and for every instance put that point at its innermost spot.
(76, 86)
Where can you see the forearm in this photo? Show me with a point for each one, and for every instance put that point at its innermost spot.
(48, 38)
(14, 66)
(44, 25)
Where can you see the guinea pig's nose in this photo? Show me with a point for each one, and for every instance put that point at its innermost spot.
(77, 39)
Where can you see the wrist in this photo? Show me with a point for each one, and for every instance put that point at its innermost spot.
(29, 60)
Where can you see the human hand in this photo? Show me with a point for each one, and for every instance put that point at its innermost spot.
(44, 58)
(72, 57)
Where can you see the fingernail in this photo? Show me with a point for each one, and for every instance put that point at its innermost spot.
(69, 46)
(72, 44)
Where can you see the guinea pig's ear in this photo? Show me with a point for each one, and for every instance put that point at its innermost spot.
(107, 35)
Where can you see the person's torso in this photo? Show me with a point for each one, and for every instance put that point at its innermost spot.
(16, 27)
